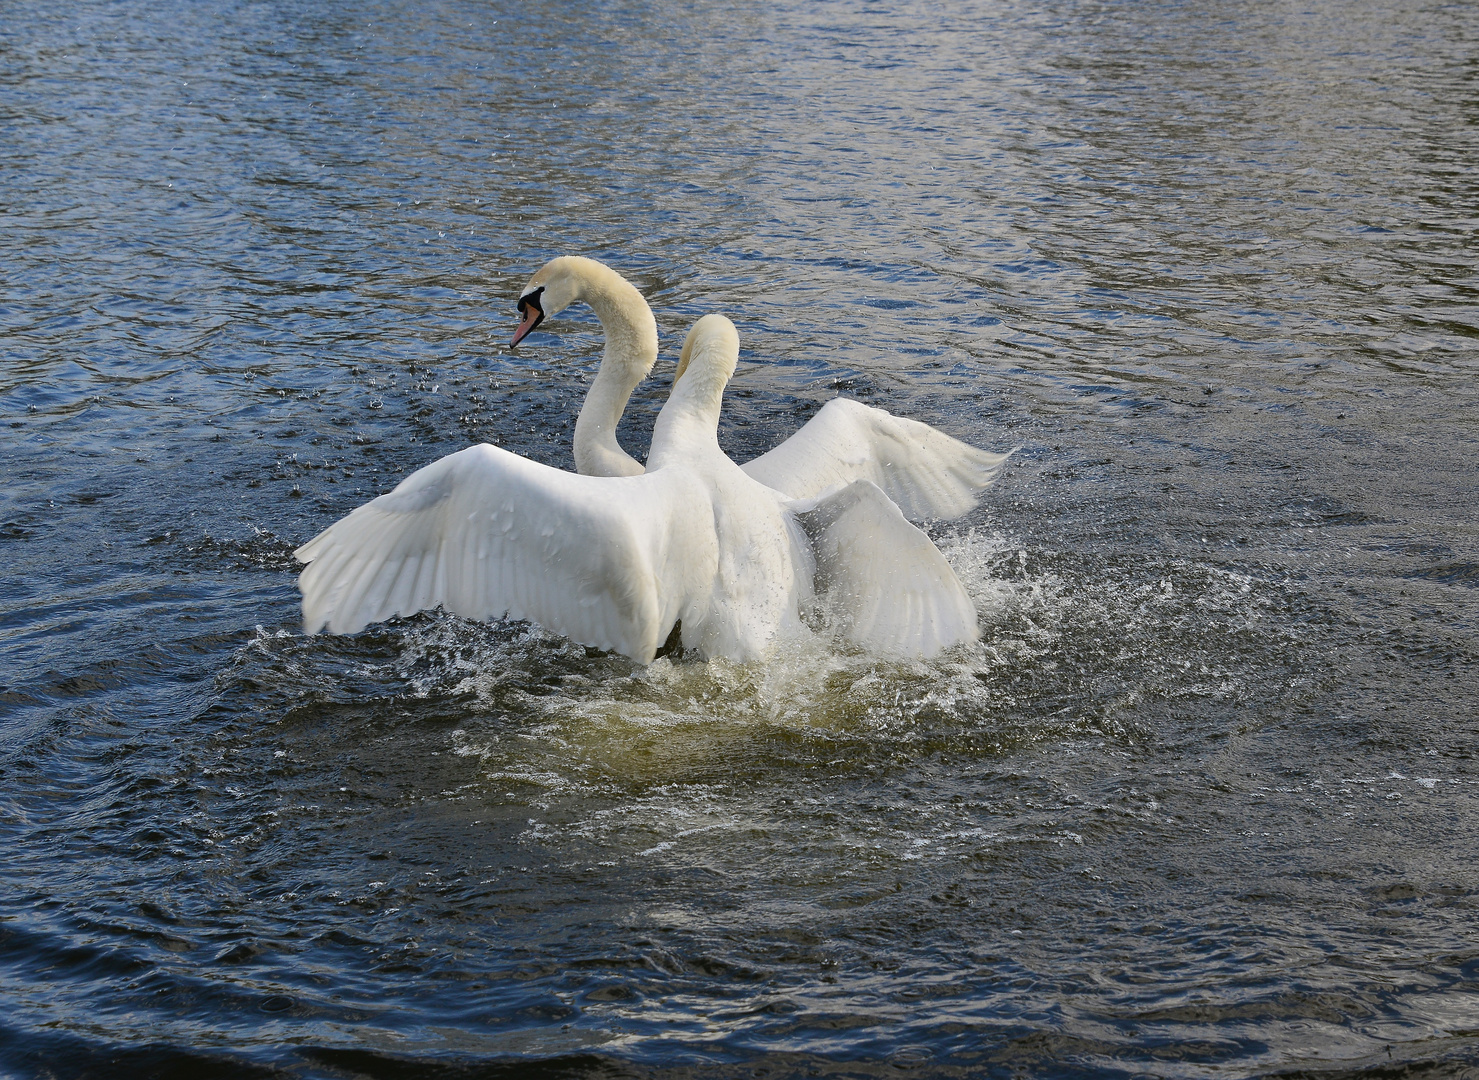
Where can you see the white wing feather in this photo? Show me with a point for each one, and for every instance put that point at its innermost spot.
(888, 586)
(926, 472)
(484, 533)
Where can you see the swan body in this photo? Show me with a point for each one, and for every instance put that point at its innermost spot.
(614, 562)
(929, 474)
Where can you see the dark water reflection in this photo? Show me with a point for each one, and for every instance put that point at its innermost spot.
(1203, 802)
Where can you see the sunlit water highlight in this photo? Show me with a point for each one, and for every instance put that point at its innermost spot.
(1201, 801)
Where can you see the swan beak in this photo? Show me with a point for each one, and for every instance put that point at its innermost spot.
(533, 315)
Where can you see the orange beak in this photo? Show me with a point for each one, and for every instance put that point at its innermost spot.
(533, 315)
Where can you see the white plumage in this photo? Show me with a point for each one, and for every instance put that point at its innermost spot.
(928, 474)
(614, 562)
(887, 586)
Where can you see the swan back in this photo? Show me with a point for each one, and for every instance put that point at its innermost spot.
(764, 566)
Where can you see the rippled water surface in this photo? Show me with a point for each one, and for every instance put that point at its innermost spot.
(1204, 800)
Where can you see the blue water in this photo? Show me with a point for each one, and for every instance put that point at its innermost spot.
(1202, 802)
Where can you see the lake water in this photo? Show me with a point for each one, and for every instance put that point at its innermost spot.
(1203, 802)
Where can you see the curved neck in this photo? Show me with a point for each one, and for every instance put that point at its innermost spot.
(631, 350)
(689, 422)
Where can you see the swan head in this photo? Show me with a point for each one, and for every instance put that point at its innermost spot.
(713, 343)
(554, 287)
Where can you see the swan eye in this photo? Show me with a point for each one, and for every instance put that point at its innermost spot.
(531, 298)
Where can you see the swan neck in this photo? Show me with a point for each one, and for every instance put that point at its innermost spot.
(689, 422)
(631, 350)
(597, 452)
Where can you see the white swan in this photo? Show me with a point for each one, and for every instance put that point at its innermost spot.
(928, 474)
(614, 562)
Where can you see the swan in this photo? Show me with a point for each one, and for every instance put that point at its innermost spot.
(615, 561)
(928, 474)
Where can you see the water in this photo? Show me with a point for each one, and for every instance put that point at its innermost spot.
(1203, 801)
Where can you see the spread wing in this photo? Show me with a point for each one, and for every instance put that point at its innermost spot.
(484, 533)
(925, 472)
(886, 584)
